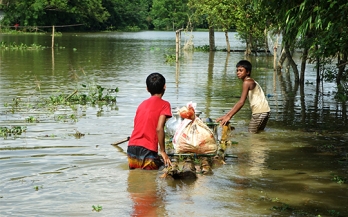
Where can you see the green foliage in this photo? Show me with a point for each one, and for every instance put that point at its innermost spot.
(131, 15)
(94, 95)
(97, 208)
(15, 46)
(204, 48)
(218, 13)
(84, 14)
(43, 13)
(12, 131)
(284, 207)
(31, 119)
(319, 26)
(170, 58)
(87, 93)
(228, 14)
(333, 212)
(339, 179)
(169, 15)
(36, 188)
(131, 29)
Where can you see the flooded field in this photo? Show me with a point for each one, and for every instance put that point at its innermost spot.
(59, 161)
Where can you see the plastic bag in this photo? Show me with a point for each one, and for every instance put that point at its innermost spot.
(193, 135)
(188, 111)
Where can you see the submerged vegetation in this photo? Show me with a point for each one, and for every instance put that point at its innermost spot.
(12, 131)
(95, 95)
(97, 208)
(50, 107)
(21, 46)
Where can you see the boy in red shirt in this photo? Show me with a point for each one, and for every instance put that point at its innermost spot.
(148, 131)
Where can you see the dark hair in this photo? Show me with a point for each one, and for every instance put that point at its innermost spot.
(245, 64)
(155, 83)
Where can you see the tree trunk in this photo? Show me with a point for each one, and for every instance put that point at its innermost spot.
(266, 41)
(275, 52)
(292, 62)
(227, 42)
(281, 61)
(341, 66)
(318, 65)
(248, 48)
(303, 64)
(211, 39)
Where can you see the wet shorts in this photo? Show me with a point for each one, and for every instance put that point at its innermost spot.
(140, 157)
(258, 122)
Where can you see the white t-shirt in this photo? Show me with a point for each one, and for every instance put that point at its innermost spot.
(257, 99)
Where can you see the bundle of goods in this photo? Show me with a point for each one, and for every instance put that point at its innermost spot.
(193, 135)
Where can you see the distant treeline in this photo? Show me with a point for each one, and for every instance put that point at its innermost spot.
(99, 15)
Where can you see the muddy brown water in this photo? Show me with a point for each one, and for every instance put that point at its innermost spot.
(288, 170)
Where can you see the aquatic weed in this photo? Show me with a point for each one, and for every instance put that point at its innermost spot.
(170, 58)
(97, 208)
(36, 188)
(339, 179)
(205, 48)
(333, 212)
(15, 46)
(282, 208)
(14, 130)
(31, 119)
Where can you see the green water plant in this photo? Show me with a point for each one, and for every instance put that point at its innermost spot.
(12, 131)
(97, 208)
(333, 212)
(78, 134)
(83, 95)
(21, 46)
(31, 119)
(170, 58)
(205, 48)
(89, 95)
(36, 188)
(339, 179)
(14, 106)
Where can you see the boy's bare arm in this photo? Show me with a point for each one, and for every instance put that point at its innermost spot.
(161, 139)
(224, 119)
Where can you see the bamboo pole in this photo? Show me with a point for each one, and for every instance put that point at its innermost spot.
(121, 141)
(52, 36)
(177, 43)
(275, 48)
(200, 155)
(52, 46)
(177, 46)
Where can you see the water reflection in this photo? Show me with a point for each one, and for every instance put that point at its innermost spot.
(254, 155)
(146, 196)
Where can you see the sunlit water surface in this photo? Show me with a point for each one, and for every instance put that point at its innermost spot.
(47, 171)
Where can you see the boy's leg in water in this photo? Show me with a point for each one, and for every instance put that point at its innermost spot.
(142, 158)
(258, 122)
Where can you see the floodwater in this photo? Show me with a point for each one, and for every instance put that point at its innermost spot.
(290, 169)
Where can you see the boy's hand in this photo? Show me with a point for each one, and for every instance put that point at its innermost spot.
(166, 159)
(223, 120)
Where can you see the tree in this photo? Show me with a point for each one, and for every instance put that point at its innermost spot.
(55, 12)
(250, 25)
(169, 15)
(238, 13)
(318, 28)
(205, 8)
(127, 14)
